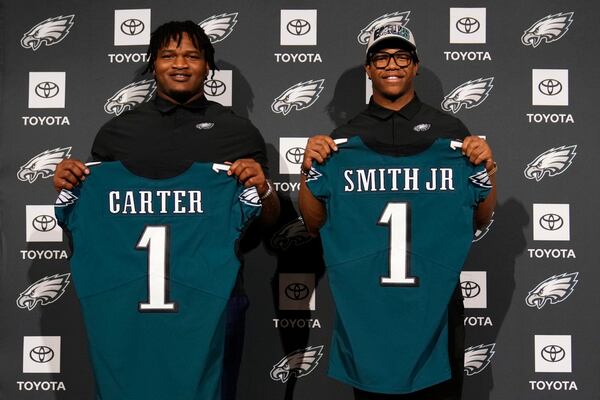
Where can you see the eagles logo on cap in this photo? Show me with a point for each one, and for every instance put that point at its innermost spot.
(392, 32)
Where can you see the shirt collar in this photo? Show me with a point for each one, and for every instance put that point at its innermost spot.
(165, 106)
(408, 111)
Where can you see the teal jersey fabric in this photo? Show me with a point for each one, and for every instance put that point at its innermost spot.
(153, 264)
(398, 230)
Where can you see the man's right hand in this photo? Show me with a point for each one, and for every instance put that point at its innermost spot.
(68, 174)
(318, 148)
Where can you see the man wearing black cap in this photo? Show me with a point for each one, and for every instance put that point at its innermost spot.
(396, 119)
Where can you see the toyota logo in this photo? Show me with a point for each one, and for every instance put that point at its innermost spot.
(550, 87)
(298, 27)
(467, 25)
(44, 223)
(295, 155)
(551, 222)
(297, 291)
(41, 354)
(470, 289)
(553, 353)
(132, 27)
(214, 87)
(46, 90)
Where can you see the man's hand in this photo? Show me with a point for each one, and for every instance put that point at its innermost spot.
(478, 151)
(250, 173)
(318, 148)
(68, 174)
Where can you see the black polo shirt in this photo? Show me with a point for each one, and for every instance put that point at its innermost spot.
(202, 131)
(164, 133)
(409, 130)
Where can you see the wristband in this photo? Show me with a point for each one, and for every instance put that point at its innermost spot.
(304, 172)
(268, 192)
(493, 170)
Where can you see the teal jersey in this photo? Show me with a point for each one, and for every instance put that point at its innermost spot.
(153, 264)
(398, 230)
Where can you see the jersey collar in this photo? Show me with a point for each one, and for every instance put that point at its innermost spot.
(166, 106)
(408, 111)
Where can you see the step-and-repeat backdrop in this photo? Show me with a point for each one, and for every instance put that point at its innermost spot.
(522, 74)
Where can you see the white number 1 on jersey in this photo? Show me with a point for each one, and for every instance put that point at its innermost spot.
(397, 216)
(156, 240)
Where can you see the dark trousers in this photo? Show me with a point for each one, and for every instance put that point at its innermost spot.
(234, 344)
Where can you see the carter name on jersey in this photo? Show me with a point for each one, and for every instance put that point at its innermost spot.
(160, 202)
(398, 179)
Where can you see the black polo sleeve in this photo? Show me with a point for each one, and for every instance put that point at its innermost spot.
(101, 149)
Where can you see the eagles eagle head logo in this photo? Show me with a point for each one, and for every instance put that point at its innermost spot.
(481, 179)
(480, 233)
(551, 162)
(470, 94)
(43, 165)
(300, 96)
(291, 234)
(394, 18)
(45, 291)
(250, 197)
(552, 290)
(48, 32)
(218, 27)
(478, 357)
(130, 96)
(298, 363)
(65, 198)
(548, 29)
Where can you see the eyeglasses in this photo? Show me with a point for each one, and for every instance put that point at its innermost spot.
(382, 60)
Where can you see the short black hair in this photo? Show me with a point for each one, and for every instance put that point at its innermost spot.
(174, 30)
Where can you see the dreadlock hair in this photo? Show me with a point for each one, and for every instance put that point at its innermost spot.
(174, 30)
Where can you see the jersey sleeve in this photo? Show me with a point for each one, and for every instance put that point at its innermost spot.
(479, 183)
(317, 181)
(249, 203)
(65, 207)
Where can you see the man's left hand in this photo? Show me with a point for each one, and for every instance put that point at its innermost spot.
(478, 151)
(250, 173)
